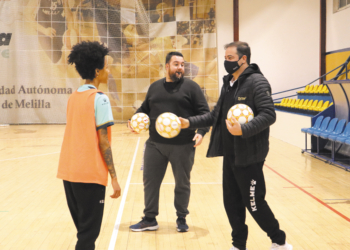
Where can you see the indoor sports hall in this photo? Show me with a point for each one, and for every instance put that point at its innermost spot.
(303, 50)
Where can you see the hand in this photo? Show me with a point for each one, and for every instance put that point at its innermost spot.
(51, 32)
(198, 138)
(235, 128)
(130, 128)
(116, 188)
(185, 123)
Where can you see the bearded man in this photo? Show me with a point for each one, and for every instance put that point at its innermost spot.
(183, 97)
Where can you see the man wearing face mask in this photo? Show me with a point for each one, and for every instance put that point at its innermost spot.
(244, 147)
(183, 97)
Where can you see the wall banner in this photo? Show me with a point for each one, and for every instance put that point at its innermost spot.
(36, 37)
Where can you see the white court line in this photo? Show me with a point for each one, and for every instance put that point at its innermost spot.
(61, 137)
(192, 183)
(28, 138)
(122, 203)
(28, 156)
(336, 199)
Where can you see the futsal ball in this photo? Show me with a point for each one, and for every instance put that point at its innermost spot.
(168, 125)
(139, 122)
(241, 112)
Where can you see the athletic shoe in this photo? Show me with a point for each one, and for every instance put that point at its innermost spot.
(235, 248)
(181, 224)
(145, 225)
(286, 246)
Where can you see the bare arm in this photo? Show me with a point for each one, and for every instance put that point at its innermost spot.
(30, 13)
(106, 152)
(31, 9)
(68, 14)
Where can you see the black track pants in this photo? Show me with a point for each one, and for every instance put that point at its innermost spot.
(86, 203)
(244, 187)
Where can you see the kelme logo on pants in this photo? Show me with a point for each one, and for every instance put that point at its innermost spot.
(252, 196)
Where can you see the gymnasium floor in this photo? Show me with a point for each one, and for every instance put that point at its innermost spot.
(310, 199)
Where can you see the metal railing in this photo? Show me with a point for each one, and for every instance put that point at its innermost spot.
(335, 79)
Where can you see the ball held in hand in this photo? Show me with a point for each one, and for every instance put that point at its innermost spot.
(140, 122)
(168, 125)
(241, 112)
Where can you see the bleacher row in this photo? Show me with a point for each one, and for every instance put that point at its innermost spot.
(307, 106)
(315, 89)
(329, 129)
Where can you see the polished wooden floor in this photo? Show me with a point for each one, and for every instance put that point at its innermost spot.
(310, 199)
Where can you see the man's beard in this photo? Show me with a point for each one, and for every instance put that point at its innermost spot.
(176, 77)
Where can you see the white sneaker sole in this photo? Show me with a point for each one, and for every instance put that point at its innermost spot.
(146, 229)
(181, 230)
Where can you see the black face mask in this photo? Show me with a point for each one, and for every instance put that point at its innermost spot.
(232, 67)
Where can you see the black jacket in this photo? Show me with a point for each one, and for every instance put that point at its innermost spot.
(252, 147)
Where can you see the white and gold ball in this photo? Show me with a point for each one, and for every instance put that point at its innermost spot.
(241, 112)
(140, 122)
(168, 125)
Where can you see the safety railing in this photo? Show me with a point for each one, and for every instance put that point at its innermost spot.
(343, 70)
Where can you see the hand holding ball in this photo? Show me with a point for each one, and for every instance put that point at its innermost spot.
(168, 125)
(241, 112)
(139, 122)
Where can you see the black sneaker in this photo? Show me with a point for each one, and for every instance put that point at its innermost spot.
(145, 225)
(181, 224)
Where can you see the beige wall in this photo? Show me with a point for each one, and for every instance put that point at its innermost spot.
(284, 39)
(288, 127)
(338, 28)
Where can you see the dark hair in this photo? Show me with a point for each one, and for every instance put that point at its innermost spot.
(87, 57)
(242, 49)
(170, 55)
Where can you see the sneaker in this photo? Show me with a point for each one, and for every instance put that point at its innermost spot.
(286, 246)
(181, 224)
(145, 225)
(235, 248)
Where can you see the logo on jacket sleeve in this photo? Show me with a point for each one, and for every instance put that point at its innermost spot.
(242, 98)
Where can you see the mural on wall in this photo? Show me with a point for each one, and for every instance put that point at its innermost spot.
(36, 80)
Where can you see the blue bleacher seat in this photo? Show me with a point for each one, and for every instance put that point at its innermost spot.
(322, 127)
(315, 126)
(336, 131)
(343, 136)
(329, 129)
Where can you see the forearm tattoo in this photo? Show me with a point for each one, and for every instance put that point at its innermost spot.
(107, 152)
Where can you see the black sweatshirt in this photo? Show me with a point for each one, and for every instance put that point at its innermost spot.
(184, 99)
